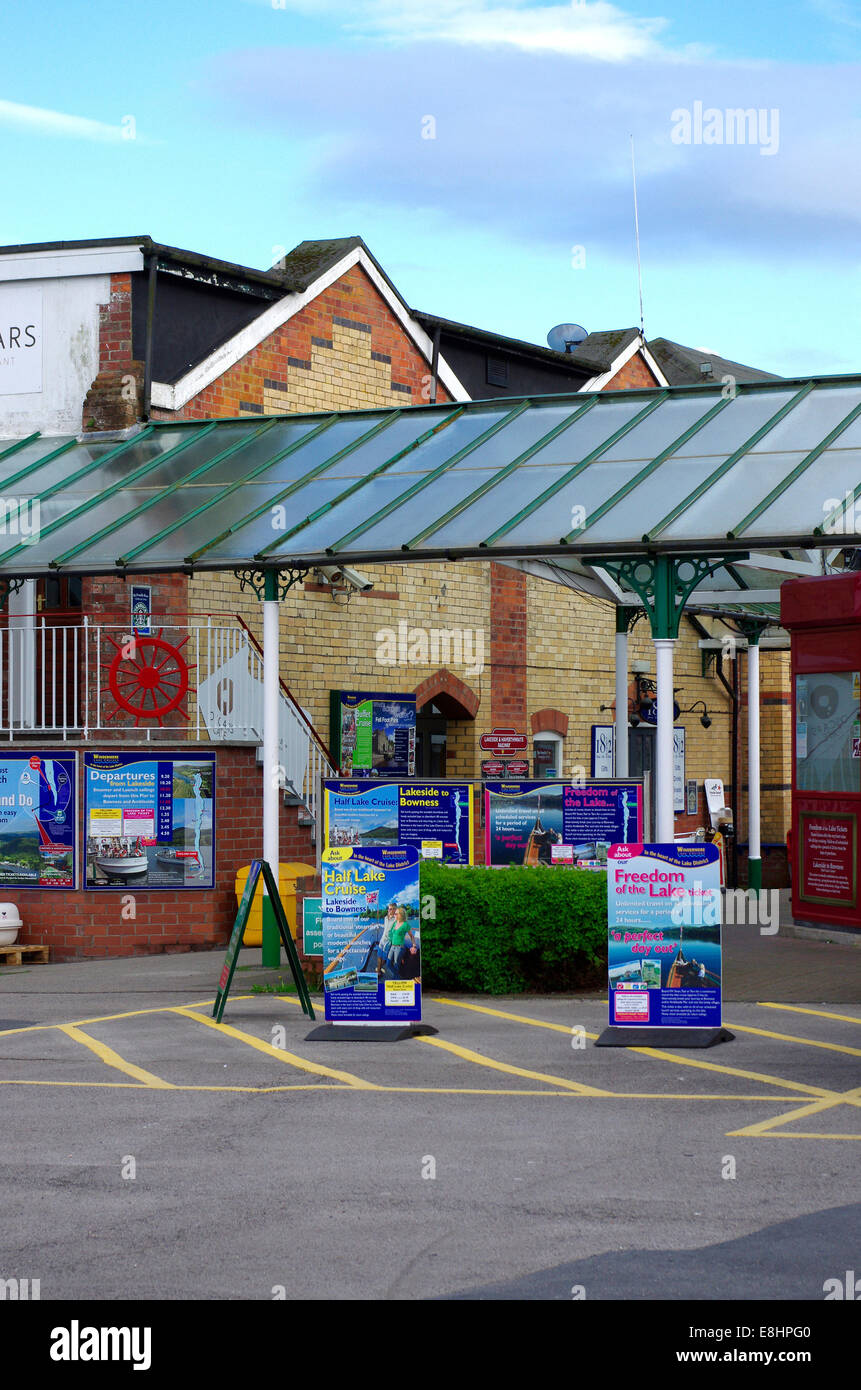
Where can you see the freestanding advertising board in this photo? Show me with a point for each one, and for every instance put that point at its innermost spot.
(664, 942)
(371, 935)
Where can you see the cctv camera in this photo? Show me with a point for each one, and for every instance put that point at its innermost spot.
(356, 578)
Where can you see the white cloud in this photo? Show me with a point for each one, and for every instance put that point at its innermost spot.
(590, 29)
(42, 121)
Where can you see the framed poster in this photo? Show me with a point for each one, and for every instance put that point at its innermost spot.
(371, 935)
(141, 598)
(525, 820)
(373, 735)
(435, 817)
(38, 820)
(664, 936)
(692, 799)
(828, 857)
(150, 822)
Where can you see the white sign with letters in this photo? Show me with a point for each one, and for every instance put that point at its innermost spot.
(20, 340)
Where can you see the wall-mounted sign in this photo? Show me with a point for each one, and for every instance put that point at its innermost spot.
(20, 340)
(664, 936)
(150, 823)
(373, 735)
(371, 935)
(692, 800)
(141, 599)
(519, 767)
(524, 820)
(493, 767)
(312, 927)
(828, 857)
(436, 818)
(504, 743)
(604, 759)
(38, 820)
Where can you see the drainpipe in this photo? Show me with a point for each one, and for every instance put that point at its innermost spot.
(732, 692)
(152, 263)
(435, 363)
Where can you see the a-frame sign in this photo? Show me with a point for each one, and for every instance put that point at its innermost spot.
(260, 867)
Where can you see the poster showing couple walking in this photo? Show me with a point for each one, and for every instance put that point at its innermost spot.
(371, 934)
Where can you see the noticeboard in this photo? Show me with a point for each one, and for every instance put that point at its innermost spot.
(436, 818)
(373, 734)
(149, 822)
(38, 820)
(525, 820)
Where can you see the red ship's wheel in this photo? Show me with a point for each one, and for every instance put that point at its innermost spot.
(148, 678)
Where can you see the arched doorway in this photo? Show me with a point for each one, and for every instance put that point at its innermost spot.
(442, 702)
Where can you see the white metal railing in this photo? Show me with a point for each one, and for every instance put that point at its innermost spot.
(200, 680)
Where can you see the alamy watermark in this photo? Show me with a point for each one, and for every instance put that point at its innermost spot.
(733, 126)
(20, 516)
(434, 646)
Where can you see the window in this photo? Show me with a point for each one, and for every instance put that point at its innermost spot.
(828, 731)
(547, 756)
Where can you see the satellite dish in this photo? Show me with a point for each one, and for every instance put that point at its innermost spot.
(566, 336)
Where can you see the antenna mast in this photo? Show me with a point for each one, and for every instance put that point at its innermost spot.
(637, 236)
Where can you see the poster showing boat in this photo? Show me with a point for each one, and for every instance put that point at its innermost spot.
(524, 822)
(38, 802)
(435, 817)
(664, 935)
(149, 822)
(373, 735)
(370, 912)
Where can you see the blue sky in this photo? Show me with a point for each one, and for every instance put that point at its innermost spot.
(258, 123)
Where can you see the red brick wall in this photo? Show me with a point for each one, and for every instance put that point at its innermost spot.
(508, 648)
(634, 374)
(89, 922)
(279, 358)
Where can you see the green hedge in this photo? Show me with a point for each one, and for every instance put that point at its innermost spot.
(503, 931)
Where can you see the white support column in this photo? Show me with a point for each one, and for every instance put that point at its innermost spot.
(621, 730)
(754, 853)
(271, 780)
(664, 816)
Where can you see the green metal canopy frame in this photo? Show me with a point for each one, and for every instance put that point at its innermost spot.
(748, 481)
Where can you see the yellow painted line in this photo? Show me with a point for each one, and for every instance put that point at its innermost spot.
(789, 1037)
(817, 1013)
(481, 1061)
(280, 1053)
(500, 1013)
(813, 1108)
(803, 1134)
(113, 1059)
(820, 1091)
(109, 1018)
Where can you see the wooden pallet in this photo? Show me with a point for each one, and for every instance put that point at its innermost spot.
(14, 955)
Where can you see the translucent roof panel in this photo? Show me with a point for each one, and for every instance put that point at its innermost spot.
(675, 469)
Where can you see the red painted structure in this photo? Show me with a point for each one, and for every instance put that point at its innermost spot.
(823, 616)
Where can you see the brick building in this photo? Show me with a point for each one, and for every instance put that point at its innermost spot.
(131, 331)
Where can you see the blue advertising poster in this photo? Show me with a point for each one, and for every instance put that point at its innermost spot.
(555, 822)
(664, 943)
(374, 735)
(38, 804)
(371, 935)
(150, 822)
(435, 817)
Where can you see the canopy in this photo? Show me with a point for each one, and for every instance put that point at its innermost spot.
(765, 471)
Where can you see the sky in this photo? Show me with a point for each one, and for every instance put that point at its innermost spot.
(481, 148)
